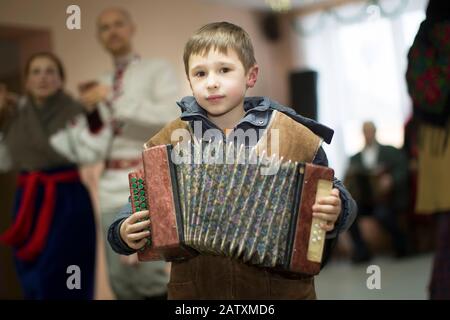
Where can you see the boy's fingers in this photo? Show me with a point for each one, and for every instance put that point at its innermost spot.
(137, 245)
(333, 200)
(142, 214)
(327, 227)
(335, 192)
(138, 236)
(138, 216)
(330, 209)
(325, 217)
(138, 226)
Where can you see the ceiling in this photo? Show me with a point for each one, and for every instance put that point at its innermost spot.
(262, 4)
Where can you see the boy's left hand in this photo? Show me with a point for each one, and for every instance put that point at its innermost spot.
(328, 209)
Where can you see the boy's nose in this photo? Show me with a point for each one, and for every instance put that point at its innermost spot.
(212, 82)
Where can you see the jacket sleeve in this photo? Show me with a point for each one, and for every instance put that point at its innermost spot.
(349, 208)
(114, 238)
(79, 144)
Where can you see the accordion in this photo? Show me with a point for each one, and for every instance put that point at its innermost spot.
(256, 209)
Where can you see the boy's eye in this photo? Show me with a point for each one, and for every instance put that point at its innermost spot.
(225, 70)
(199, 74)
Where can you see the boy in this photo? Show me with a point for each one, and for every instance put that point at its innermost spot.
(220, 67)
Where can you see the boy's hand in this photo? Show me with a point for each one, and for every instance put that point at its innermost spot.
(328, 209)
(133, 232)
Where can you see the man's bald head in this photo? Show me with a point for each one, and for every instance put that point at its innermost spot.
(114, 10)
(115, 30)
(369, 131)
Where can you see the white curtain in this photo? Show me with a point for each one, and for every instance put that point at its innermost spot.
(361, 67)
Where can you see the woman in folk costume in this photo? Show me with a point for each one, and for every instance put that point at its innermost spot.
(53, 233)
(428, 78)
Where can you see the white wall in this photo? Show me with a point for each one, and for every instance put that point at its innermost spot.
(163, 26)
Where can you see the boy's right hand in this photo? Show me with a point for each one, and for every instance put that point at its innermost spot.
(134, 232)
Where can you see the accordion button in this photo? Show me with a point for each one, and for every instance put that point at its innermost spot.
(319, 238)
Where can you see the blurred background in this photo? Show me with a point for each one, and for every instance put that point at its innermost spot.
(341, 62)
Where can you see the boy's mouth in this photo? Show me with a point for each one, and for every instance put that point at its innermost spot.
(214, 97)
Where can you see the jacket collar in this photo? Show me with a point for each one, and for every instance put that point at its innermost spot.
(257, 113)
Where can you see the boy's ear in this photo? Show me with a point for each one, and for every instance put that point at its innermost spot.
(252, 76)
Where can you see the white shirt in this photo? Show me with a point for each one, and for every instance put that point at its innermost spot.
(370, 156)
(147, 102)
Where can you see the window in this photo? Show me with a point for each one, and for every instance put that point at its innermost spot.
(361, 70)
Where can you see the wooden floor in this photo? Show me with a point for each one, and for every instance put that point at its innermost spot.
(404, 279)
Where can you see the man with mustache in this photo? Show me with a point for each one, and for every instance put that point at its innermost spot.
(135, 101)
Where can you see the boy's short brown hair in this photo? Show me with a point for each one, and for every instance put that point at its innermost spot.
(220, 36)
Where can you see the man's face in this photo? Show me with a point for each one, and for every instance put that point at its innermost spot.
(115, 31)
(369, 132)
(219, 81)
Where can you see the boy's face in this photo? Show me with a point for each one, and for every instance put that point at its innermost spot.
(219, 82)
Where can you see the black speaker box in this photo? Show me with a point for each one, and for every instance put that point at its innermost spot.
(303, 92)
(270, 27)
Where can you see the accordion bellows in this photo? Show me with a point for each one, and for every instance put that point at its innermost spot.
(254, 208)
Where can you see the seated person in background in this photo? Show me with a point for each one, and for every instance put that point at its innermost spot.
(377, 178)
